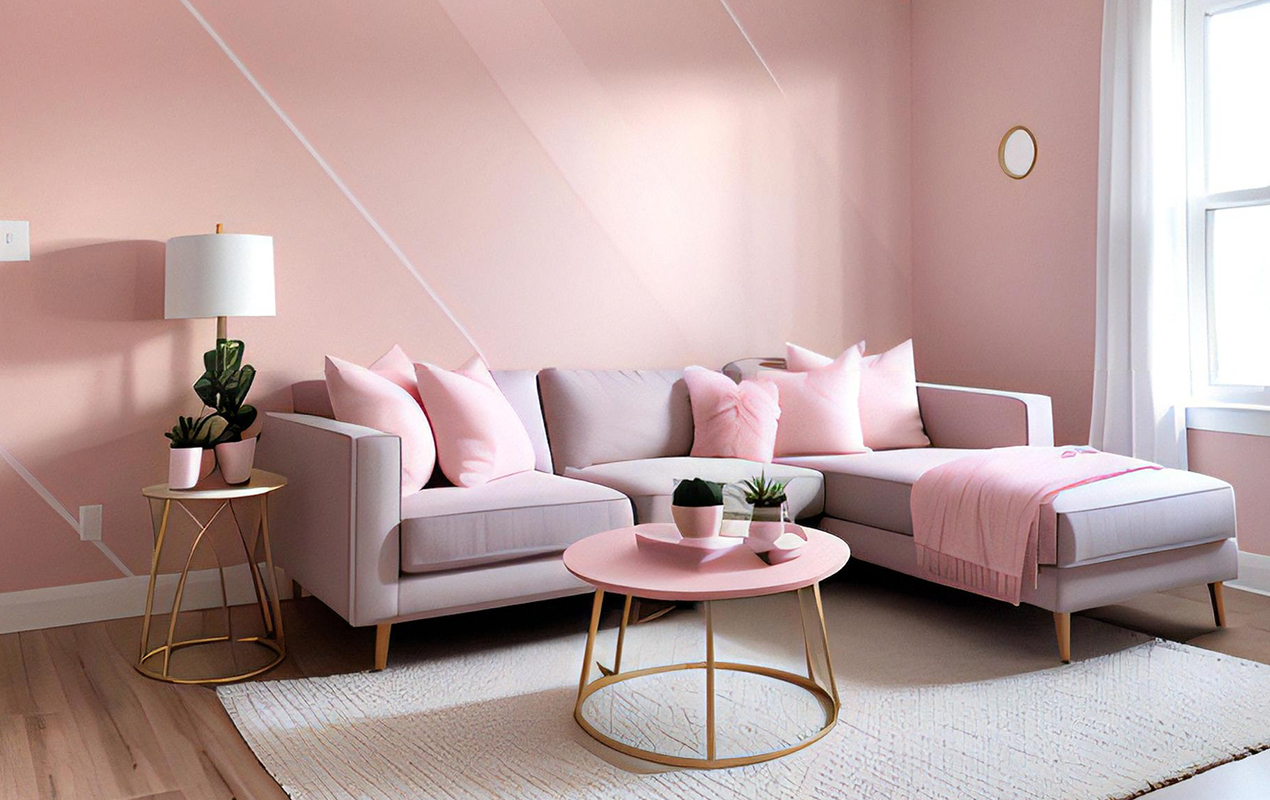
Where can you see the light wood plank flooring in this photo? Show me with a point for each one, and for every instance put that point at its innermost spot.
(77, 722)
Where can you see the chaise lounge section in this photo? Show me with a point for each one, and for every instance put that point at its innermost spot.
(609, 444)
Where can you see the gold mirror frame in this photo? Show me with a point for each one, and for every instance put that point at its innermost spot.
(1001, 152)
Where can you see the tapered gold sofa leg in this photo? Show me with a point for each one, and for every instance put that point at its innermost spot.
(1063, 627)
(382, 631)
(1219, 603)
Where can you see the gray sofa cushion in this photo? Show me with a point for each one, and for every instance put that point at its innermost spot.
(650, 482)
(1133, 514)
(1138, 513)
(873, 488)
(600, 416)
(522, 515)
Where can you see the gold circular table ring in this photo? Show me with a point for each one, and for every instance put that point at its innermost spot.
(827, 702)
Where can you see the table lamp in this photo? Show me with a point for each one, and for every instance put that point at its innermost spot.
(219, 275)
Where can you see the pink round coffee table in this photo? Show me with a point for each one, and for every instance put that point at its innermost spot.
(613, 562)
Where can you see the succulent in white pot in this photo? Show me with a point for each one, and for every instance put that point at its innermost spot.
(767, 521)
(189, 458)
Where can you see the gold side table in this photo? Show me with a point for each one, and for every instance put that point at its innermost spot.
(222, 495)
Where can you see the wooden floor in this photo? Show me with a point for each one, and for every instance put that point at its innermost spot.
(77, 722)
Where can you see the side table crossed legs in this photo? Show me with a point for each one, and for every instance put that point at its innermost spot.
(826, 692)
(270, 611)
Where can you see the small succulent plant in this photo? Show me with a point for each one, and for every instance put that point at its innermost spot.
(761, 492)
(697, 493)
(206, 431)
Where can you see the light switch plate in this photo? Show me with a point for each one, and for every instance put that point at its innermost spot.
(15, 241)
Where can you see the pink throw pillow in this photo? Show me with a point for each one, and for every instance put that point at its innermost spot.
(479, 436)
(732, 420)
(889, 413)
(397, 367)
(820, 413)
(361, 397)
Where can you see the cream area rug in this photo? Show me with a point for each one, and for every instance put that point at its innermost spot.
(941, 701)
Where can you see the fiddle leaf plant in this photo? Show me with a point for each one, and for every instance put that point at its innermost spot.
(206, 431)
(224, 385)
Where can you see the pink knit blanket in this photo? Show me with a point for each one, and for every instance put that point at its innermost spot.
(976, 519)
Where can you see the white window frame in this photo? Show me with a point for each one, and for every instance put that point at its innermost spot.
(1200, 207)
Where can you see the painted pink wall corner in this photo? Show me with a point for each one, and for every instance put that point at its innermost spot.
(615, 184)
(1243, 461)
(1003, 270)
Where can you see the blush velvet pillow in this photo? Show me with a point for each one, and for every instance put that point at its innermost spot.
(397, 367)
(479, 436)
(820, 412)
(731, 420)
(362, 397)
(889, 414)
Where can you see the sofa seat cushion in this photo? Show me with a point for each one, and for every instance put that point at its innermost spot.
(873, 488)
(650, 482)
(519, 516)
(1142, 512)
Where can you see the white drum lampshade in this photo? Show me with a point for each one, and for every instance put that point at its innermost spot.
(219, 275)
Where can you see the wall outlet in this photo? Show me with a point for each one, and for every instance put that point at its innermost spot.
(90, 523)
(15, 241)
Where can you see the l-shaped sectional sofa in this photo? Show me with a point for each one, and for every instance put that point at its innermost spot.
(609, 444)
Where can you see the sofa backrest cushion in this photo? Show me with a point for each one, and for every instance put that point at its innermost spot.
(520, 387)
(602, 416)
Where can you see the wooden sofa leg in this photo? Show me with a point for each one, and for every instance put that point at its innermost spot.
(1063, 627)
(382, 631)
(1219, 603)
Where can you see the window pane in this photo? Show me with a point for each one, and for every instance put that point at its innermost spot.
(1240, 275)
(1238, 93)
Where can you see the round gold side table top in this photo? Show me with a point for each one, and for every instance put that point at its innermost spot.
(223, 496)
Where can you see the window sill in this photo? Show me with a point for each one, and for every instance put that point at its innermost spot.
(1228, 418)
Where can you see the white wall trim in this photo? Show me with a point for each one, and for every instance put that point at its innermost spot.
(120, 598)
(1229, 418)
(1254, 573)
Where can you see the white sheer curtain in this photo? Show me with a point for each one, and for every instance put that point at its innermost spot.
(1141, 379)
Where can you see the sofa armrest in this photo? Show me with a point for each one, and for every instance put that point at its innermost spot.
(335, 526)
(957, 416)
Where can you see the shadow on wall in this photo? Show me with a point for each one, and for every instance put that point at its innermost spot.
(89, 315)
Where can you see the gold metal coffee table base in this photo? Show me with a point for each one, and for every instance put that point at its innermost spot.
(827, 695)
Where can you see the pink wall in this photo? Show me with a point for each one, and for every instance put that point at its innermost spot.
(603, 184)
(1003, 270)
(1243, 461)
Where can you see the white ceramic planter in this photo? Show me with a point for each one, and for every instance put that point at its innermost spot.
(236, 459)
(184, 467)
(766, 526)
(697, 522)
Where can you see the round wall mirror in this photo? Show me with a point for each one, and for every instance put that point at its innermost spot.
(1017, 152)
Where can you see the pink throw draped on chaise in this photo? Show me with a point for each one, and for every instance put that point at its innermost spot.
(976, 519)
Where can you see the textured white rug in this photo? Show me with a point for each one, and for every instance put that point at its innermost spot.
(929, 711)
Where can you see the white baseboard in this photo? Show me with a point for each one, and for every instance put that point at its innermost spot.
(1254, 573)
(124, 597)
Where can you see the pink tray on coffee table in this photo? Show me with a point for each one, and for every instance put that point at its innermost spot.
(665, 538)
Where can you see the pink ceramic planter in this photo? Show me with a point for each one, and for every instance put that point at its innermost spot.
(236, 459)
(697, 522)
(184, 466)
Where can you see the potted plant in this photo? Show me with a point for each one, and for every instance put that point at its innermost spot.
(223, 387)
(767, 520)
(697, 507)
(192, 440)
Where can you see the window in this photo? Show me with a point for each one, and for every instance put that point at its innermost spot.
(1228, 197)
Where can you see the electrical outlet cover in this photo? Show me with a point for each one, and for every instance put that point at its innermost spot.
(15, 241)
